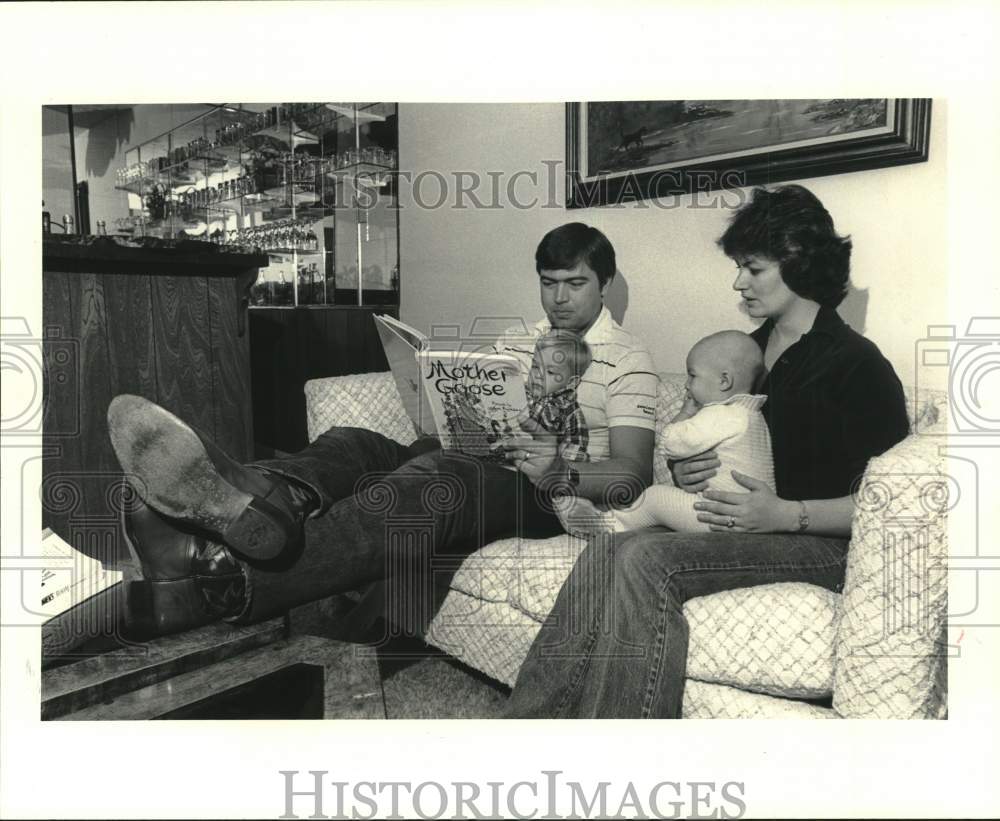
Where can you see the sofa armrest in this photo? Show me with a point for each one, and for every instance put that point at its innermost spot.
(361, 400)
(891, 652)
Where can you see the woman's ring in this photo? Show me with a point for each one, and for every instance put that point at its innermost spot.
(732, 522)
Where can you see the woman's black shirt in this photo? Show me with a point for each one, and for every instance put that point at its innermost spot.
(833, 403)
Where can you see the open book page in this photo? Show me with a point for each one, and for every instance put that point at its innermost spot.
(401, 344)
(475, 398)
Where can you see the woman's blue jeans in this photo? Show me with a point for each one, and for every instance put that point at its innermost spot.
(615, 643)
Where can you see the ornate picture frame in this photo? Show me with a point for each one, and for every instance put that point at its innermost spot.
(620, 152)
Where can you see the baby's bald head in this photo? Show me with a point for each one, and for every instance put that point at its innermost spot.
(724, 364)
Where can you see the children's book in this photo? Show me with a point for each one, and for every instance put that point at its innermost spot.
(470, 399)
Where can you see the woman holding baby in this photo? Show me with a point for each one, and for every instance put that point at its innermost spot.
(615, 644)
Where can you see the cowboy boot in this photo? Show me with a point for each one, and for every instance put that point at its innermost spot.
(187, 580)
(182, 473)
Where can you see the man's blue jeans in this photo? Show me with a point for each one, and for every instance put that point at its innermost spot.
(387, 513)
(615, 643)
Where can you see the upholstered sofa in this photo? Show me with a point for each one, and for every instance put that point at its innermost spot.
(877, 650)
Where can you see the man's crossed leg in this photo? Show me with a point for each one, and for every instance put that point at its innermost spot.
(221, 540)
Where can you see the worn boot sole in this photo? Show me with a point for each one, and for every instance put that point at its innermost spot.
(172, 471)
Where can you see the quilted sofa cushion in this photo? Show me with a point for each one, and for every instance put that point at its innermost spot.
(774, 638)
(704, 700)
(490, 636)
(669, 398)
(892, 649)
(495, 638)
(524, 573)
(361, 400)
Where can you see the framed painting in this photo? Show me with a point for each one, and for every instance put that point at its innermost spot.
(618, 152)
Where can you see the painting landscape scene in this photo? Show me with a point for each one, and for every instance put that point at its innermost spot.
(627, 136)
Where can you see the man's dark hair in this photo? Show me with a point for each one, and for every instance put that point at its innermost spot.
(789, 224)
(565, 247)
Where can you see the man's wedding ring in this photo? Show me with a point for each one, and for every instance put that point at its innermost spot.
(732, 522)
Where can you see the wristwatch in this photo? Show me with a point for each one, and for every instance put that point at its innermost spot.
(803, 517)
(564, 482)
(567, 482)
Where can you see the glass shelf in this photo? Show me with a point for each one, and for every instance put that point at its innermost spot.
(303, 214)
(182, 168)
(174, 176)
(355, 111)
(324, 115)
(354, 170)
(351, 208)
(136, 186)
(229, 206)
(287, 252)
(287, 133)
(230, 154)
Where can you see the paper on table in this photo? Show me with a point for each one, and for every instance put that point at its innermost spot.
(69, 577)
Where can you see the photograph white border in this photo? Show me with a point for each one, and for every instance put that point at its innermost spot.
(60, 53)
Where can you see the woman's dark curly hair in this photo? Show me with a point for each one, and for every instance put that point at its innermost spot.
(790, 225)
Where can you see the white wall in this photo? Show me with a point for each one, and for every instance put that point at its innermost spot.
(57, 170)
(457, 263)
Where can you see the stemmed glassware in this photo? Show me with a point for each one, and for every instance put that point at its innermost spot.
(294, 235)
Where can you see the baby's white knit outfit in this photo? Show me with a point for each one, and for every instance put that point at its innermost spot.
(735, 429)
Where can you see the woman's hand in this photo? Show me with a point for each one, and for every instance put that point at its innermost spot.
(534, 452)
(758, 511)
(692, 474)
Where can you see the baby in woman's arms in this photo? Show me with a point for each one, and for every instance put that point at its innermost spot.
(720, 413)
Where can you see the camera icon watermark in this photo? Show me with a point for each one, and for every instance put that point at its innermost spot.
(973, 373)
(35, 371)
(416, 504)
(71, 582)
(968, 367)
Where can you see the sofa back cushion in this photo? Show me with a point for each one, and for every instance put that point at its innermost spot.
(361, 400)
(370, 400)
(669, 398)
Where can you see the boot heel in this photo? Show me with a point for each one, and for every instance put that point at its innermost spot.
(157, 608)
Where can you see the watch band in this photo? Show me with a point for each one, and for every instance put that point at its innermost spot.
(803, 518)
(567, 482)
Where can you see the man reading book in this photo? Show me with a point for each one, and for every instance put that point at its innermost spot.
(219, 540)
